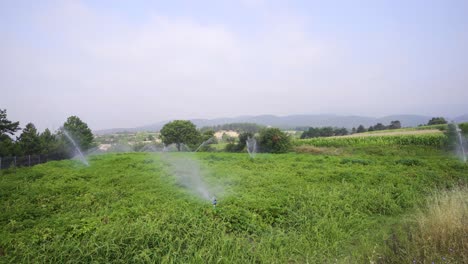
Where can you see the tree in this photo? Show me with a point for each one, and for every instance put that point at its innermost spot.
(353, 131)
(361, 129)
(29, 141)
(49, 142)
(7, 129)
(79, 131)
(437, 121)
(395, 124)
(7, 126)
(379, 126)
(180, 132)
(274, 140)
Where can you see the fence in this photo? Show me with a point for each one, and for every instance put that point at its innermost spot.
(26, 161)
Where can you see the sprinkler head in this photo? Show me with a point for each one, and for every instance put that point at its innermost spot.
(214, 201)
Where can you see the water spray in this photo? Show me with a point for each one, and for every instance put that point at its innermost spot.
(460, 142)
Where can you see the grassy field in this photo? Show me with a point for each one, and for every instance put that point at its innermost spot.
(289, 208)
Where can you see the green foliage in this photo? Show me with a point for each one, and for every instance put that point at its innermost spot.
(80, 132)
(180, 131)
(273, 140)
(29, 140)
(7, 129)
(409, 162)
(396, 124)
(361, 129)
(435, 140)
(437, 121)
(286, 208)
(464, 128)
(324, 132)
(7, 126)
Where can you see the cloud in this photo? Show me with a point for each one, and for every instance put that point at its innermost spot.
(116, 71)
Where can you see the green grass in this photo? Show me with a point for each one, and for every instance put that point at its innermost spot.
(294, 208)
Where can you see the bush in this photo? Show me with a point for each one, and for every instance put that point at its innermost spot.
(274, 140)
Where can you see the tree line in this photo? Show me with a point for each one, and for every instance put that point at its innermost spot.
(181, 132)
(238, 127)
(32, 142)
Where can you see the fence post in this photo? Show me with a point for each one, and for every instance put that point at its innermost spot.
(39, 158)
(0, 163)
(29, 160)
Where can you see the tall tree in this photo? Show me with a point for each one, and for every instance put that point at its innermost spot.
(180, 132)
(79, 131)
(48, 142)
(361, 129)
(7, 126)
(29, 141)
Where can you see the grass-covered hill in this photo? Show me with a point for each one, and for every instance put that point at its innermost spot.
(354, 205)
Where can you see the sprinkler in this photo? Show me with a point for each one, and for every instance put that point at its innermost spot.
(214, 201)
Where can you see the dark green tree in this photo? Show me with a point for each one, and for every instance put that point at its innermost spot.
(353, 131)
(29, 141)
(361, 129)
(79, 131)
(379, 126)
(274, 140)
(395, 124)
(243, 137)
(49, 142)
(180, 132)
(7, 126)
(437, 121)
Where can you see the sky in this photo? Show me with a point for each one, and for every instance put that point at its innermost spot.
(120, 63)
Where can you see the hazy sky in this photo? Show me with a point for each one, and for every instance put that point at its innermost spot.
(121, 63)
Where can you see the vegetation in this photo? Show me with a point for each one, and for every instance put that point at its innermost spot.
(7, 129)
(324, 132)
(275, 209)
(180, 132)
(31, 142)
(241, 143)
(396, 124)
(273, 140)
(79, 131)
(437, 121)
(436, 233)
(434, 140)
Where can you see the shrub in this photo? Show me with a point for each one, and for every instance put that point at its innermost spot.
(274, 140)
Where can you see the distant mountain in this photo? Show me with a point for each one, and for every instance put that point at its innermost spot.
(293, 121)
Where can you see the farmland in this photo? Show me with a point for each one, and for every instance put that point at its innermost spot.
(295, 207)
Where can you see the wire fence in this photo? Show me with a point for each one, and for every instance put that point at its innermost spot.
(26, 161)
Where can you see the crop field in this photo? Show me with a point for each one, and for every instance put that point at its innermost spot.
(285, 208)
(425, 139)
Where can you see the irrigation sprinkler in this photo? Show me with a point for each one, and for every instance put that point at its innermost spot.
(214, 201)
